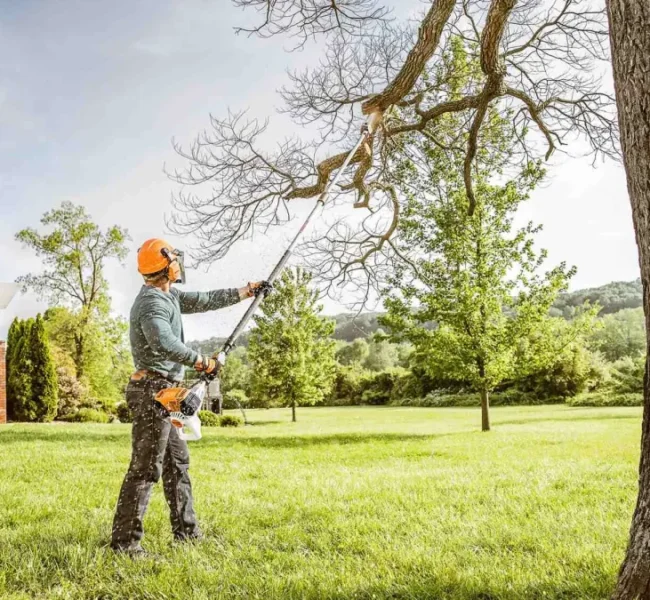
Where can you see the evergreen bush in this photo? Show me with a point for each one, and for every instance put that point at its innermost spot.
(230, 421)
(45, 387)
(209, 419)
(88, 415)
(124, 412)
(596, 399)
(71, 393)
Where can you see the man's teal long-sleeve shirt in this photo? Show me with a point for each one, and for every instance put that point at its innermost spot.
(157, 340)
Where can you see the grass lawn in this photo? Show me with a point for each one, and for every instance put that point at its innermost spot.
(347, 503)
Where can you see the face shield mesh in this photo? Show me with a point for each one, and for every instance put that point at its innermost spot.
(176, 269)
(179, 259)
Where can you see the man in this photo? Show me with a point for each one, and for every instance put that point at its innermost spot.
(160, 356)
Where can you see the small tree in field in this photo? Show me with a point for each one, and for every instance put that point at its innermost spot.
(290, 353)
(474, 275)
(353, 353)
(621, 334)
(382, 354)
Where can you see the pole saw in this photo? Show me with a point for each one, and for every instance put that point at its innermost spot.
(183, 404)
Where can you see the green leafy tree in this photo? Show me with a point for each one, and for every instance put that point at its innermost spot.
(404, 353)
(621, 334)
(74, 251)
(353, 353)
(290, 353)
(107, 357)
(236, 373)
(474, 275)
(627, 375)
(382, 355)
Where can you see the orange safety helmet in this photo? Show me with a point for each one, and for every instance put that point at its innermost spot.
(157, 256)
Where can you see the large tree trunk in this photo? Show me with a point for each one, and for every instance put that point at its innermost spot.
(629, 23)
(485, 410)
(293, 411)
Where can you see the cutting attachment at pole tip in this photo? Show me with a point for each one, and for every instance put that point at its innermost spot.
(374, 120)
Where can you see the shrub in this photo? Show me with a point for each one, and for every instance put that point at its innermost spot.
(230, 421)
(124, 413)
(209, 419)
(515, 397)
(444, 398)
(407, 387)
(354, 353)
(348, 386)
(382, 355)
(575, 371)
(607, 399)
(463, 399)
(378, 389)
(627, 375)
(72, 393)
(88, 415)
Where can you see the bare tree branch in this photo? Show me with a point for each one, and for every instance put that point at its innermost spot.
(429, 35)
(305, 19)
(532, 62)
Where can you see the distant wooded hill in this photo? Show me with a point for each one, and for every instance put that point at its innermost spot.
(611, 297)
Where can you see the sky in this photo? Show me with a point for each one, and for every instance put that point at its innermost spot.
(91, 94)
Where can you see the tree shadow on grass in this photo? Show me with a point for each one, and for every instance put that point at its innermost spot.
(571, 419)
(341, 439)
(586, 584)
(441, 589)
(107, 435)
(56, 435)
(288, 441)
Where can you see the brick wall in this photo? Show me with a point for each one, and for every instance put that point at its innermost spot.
(3, 383)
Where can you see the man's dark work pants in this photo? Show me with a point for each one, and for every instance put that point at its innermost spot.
(156, 449)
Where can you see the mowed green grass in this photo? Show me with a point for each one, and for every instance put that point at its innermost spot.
(347, 503)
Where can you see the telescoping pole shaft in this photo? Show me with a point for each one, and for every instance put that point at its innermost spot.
(228, 346)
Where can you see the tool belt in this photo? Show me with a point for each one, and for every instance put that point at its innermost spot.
(145, 374)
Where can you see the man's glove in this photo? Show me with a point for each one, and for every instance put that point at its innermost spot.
(206, 364)
(260, 287)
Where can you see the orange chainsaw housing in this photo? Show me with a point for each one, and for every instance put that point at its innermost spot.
(171, 399)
